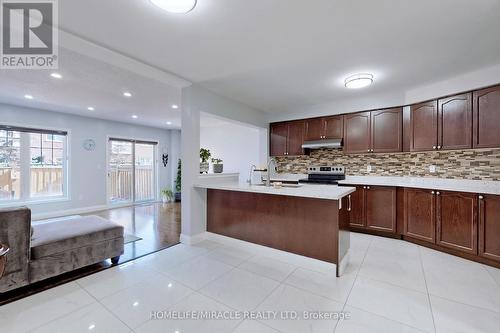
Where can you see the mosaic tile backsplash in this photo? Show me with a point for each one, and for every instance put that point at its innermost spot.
(474, 164)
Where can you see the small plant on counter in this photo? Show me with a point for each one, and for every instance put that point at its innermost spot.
(217, 164)
(204, 157)
(167, 195)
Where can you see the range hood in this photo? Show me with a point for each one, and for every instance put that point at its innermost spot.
(328, 143)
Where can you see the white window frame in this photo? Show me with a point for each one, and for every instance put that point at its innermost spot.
(25, 169)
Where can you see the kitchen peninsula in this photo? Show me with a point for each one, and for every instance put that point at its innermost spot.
(309, 220)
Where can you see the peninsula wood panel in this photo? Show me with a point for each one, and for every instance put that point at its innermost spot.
(304, 226)
(424, 126)
(357, 132)
(381, 208)
(457, 221)
(455, 122)
(420, 214)
(387, 131)
(486, 112)
(489, 227)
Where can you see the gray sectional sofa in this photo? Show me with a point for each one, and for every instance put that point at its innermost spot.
(48, 249)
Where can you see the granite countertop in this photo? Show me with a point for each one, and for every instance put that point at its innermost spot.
(460, 185)
(304, 190)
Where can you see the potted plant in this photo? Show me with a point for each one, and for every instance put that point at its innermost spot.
(204, 157)
(178, 184)
(167, 195)
(217, 164)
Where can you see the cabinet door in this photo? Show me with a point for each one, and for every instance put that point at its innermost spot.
(334, 127)
(387, 130)
(357, 217)
(381, 208)
(315, 129)
(296, 131)
(455, 122)
(423, 122)
(486, 110)
(357, 132)
(278, 139)
(420, 214)
(489, 227)
(457, 221)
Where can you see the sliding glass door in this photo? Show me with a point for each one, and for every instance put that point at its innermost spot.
(131, 171)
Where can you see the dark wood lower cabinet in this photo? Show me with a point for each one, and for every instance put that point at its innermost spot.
(381, 208)
(489, 227)
(457, 221)
(420, 214)
(357, 217)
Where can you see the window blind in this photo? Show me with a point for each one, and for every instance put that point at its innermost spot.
(31, 130)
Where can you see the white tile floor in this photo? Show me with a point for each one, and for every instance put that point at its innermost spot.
(389, 286)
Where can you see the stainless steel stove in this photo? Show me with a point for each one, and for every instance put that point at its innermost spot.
(324, 175)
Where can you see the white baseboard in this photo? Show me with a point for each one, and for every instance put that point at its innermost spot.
(75, 211)
(291, 258)
(190, 240)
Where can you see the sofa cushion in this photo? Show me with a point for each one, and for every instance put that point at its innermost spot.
(59, 236)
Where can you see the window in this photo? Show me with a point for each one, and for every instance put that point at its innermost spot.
(33, 164)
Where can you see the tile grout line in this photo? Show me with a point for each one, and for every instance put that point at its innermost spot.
(353, 283)
(427, 288)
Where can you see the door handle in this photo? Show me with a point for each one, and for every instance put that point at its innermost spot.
(349, 200)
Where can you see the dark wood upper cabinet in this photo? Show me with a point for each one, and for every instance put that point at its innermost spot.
(455, 122)
(278, 139)
(334, 127)
(386, 130)
(420, 214)
(457, 221)
(296, 131)
(381, 208)
(315, 129)
(357, 216)
(486, 112)
(424, 126)
(489, 227)
(357, 132)
(324, 128)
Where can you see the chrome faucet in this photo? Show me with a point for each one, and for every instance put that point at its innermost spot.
(268, 180)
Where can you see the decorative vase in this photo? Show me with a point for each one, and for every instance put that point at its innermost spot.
(218, 168)
(204, 167)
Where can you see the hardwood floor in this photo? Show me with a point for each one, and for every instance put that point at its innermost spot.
(158, 224)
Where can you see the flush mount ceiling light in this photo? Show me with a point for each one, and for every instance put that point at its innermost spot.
(135, 116)
(127, 94)
(91, 108)
(175, 6)
(169, 123)
(357, 81)
(28, 96)
(175, 106)
(56, 75)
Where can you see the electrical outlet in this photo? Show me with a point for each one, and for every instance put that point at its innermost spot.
(432, 168)
(369, 168)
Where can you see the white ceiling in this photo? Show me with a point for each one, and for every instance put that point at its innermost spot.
(283, 55)
(90, 82)
(275, 55)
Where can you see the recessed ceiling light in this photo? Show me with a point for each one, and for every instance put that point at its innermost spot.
(135, 116)
(91, 108)
(175, 6)
(169, 123)
(127, 94)
(175, 106)
(56, 75)
(357, 81)
(28, 96)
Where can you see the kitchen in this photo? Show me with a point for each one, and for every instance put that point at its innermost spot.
(425, 173)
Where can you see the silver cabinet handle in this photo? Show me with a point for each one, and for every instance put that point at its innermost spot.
(364, 187)
(349, 198)
(368, 150)
(368, 187)
(439, 147)
(433, 192)
(481, 197)
(434, 147)
(438, 193)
